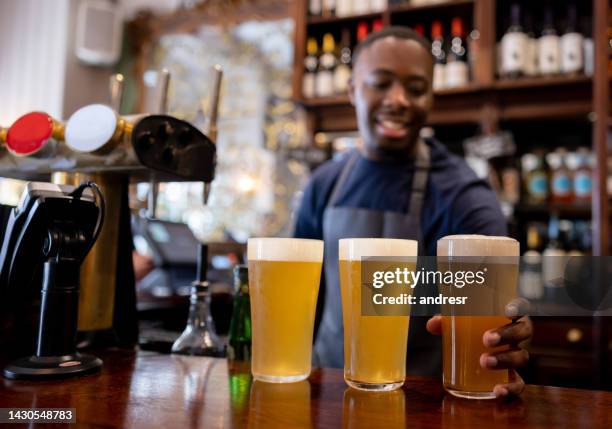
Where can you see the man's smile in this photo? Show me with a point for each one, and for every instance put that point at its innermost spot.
(392, 126)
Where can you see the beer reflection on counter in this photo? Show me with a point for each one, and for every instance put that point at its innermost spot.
(280, 405)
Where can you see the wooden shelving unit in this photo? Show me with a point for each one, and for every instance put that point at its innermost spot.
(487, 100)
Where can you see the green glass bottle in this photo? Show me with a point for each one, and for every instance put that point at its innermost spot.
(239, 348)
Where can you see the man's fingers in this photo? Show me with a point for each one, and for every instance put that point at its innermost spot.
(512, 333)
(434, 325)
(514, 388)
(507, 359)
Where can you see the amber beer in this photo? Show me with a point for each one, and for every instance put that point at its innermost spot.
(462, 335)
(374, 346)
(284, 275)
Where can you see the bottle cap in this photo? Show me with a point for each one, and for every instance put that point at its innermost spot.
(457, 27)
(377, 25)
(362, 31)
(436, 30)
(311, 46)
(328, 43)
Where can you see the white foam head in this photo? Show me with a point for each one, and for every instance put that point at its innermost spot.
(353, 249)
(477, 245)
(284, 249)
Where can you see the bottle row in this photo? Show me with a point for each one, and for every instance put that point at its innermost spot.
(527, 50)
(344, 8)
(327, 65)
(560, 176)
(549, 248)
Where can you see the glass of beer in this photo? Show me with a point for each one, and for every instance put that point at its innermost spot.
(462, 335)
(284, 276)
(374, 346)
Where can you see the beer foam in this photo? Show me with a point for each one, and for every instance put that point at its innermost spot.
(477, 245)
(284, 249)
(351, 249)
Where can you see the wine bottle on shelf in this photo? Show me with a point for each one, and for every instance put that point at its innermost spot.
(581, 178)
(531, 53)
(572, 60)
(361, 6)
(534, 178)
(342, 73)
(328, 7)
(456, 71)
(437, 50)
(378, 5)
(324, 85)
(588, 52)
(310, 68)
(344, 8)
(531, 285)
(315, 7)
(560, 183)
(514, 46)
(554, 259)
(549, 51)
(362, 31)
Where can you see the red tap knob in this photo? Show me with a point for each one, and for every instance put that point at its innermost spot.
(31, 132)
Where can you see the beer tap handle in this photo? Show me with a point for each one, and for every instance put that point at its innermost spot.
(116, 91)
(163, 83)
(214, 102)
(214, 114)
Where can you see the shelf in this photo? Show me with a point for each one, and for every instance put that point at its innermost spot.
(579, 210)
(433, 5)
(559, 97)
(316, 20)
(540, 82)
(335, 100)
(338, 100)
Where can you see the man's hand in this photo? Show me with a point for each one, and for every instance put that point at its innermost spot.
(520, 329)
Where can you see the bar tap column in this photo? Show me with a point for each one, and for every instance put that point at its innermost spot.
(98, 129)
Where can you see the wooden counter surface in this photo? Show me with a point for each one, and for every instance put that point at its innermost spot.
(147, 390)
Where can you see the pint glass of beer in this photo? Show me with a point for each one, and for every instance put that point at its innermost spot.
(374, 346)
(497, 259)
(284, 276)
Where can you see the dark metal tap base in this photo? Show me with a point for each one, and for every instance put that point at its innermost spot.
(55, 367)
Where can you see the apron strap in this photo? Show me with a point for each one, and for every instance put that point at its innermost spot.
(346, 171)
(419, 180)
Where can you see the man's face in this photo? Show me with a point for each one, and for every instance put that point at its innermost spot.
(392, 94)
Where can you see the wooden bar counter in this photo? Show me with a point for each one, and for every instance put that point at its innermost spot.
(149, 390)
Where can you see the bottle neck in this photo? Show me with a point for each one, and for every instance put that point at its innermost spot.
(199, 309)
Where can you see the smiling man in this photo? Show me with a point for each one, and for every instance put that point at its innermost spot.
(397, 185)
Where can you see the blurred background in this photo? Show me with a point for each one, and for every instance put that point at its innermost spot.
(522, 91)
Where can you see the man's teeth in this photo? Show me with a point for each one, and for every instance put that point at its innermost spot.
(393, 125)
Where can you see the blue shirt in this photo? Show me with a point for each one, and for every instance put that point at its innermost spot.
(456, 201)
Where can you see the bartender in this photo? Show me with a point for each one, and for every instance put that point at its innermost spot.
(398, 185)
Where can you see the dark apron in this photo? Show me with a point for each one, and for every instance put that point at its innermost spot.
(424, 349)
